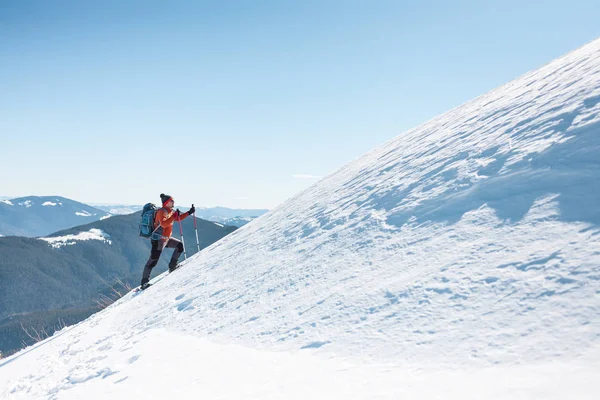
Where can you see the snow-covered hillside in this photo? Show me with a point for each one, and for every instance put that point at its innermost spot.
(69, 240)
(460, 260)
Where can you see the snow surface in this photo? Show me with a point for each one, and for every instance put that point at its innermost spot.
(109, 359)
(105, 217)
(49, 203)
(69, 240)
(26, 203)
(83, 214)
(7, 202)
(459, 261)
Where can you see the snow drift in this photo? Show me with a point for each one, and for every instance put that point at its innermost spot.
(470, 243)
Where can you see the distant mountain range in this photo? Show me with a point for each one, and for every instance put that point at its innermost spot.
(118, 209)
(229, 216)
(35, 216)
(38, 216)
(236, 221)
(61, 275)
(222, 215)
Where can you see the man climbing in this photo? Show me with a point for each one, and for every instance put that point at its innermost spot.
(161, 237)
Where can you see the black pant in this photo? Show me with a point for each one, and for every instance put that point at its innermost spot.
(157, 247)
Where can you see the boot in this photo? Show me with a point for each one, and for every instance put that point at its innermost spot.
(173, 265)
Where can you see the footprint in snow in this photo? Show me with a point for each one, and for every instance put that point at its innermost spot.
(185, 305)
(133, 359)
(105, 347)
(315, 345)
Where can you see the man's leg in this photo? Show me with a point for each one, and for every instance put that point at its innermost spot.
(178, 246)
(157, 247)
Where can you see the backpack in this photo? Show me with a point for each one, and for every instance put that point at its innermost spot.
(147, 222)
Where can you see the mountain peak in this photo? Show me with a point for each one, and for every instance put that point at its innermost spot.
(42, 215)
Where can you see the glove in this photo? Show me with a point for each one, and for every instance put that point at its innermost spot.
(192, 210)
(177, 213)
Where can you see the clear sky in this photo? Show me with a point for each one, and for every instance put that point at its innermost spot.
(244, 103)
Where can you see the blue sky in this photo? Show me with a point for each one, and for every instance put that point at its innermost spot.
(244, 103)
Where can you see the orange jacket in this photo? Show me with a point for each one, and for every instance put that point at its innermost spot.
(166, 217)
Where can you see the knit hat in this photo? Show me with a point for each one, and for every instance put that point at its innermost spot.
(164, 198)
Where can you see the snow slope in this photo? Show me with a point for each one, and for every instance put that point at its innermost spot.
(460, 260)
(68, 240)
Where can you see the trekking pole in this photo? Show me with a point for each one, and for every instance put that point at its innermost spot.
(182, 241)
(196, 229)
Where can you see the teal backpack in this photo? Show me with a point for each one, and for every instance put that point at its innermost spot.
(147, 222)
